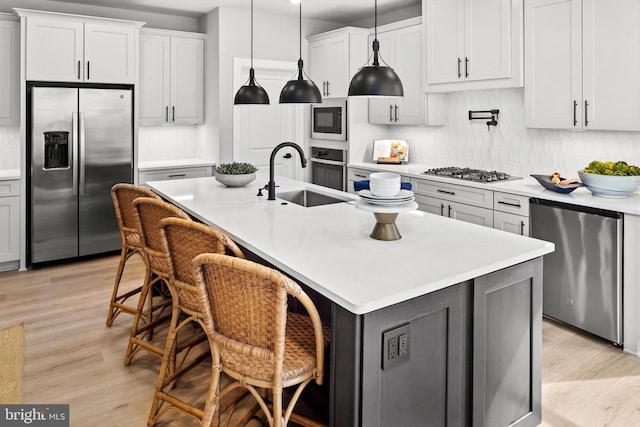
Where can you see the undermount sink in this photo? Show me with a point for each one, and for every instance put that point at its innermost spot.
(309, 198)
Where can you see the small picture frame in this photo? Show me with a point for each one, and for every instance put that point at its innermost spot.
(390, 151)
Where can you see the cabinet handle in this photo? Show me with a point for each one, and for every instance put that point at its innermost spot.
(78, 70)
(515, 205)
(459, 72)
(166, 113)
(357, 175)
(586, 118)
(88, 70)
(449, 211)
(466, 66)
(522, 228)
(390, 112)
(396, 112)
(575, 107)
(441, 209)
(177, 175)
(447, 192)
(324, 88)
(328, 88)
(173, 112)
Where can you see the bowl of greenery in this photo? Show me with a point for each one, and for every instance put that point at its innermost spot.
(235, 174)
(611, 179)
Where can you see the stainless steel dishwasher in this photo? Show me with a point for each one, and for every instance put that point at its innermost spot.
(582, 279)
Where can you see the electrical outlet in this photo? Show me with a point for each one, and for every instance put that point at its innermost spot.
(395, 346)
(403, 345)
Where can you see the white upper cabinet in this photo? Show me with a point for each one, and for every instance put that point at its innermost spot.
(74, 48)
(9, 71)
(401, 49)
(335, 57)
(582, 64)
(171, 87)
(473, 44)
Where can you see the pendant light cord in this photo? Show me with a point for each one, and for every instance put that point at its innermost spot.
(375, 20)
(251, 33)
(300, 29)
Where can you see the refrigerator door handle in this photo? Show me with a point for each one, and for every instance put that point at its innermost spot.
(74, 153)
(82, 153)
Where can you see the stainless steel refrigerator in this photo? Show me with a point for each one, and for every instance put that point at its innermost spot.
(81, 144)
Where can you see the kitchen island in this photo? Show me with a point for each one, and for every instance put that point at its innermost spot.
(463, 301)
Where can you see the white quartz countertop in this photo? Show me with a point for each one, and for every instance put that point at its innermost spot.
(9, 174)
(527, 186)
(173, 163)
(329, 249)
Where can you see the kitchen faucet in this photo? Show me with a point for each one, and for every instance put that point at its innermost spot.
(271, 186)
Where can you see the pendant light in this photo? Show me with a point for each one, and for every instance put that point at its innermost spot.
(300, 91)
(376, 80)
(252, 92)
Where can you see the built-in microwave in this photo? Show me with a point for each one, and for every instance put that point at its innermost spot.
(329, 120)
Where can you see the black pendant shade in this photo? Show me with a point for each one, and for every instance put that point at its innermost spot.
(376, 80)
(252, 92)
(300, 91)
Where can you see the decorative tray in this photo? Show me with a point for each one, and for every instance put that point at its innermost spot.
(545, 181)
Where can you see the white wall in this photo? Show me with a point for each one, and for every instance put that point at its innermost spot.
(510, 147)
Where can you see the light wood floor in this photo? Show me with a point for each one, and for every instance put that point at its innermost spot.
(72, 357)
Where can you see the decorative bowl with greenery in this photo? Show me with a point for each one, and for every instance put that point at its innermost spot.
(235, 174)
(611, 179)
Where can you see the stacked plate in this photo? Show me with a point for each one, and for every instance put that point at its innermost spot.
(404, 196)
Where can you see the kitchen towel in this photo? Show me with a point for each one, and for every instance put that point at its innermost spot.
(364, 185)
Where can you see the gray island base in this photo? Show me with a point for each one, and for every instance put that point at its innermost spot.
(439, 328)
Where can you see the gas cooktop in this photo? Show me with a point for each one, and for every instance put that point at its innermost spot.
(468, 174)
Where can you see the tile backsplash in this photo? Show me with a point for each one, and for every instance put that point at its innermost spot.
(509, 146)
(168, 142)
(10, 147)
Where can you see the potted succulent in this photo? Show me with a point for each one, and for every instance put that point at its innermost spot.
(235, 174)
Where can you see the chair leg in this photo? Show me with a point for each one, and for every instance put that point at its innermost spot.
(211, 416)
(278, 421)
(116, 304)
(144, 294)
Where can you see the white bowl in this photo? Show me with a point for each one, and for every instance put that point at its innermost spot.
(384, 184)
(238, 180)
(617, 187)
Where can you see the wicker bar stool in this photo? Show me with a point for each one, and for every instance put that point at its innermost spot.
(185, 240)
(123, 196)
(149, 213)
(254, 340)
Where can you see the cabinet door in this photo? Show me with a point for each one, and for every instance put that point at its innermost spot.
(318, 64)
(187, 80)
(54, 50)
(444, 26)
(109, 53)
(611, 65)
(507, 346)
(487, 33)
(408, 60)
(432, 205)
(9, 228)
(472, 214)
(153, 89)
(338, 77)
(553, 60)
(10, 73)
(511, 223)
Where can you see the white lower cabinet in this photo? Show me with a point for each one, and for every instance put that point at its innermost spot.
(467, 204)
(511, 213)
(9, 224)
(163, 174)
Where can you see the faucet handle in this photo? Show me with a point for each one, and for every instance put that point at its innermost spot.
(260, 192)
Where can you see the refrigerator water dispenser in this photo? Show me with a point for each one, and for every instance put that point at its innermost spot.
(56, 150)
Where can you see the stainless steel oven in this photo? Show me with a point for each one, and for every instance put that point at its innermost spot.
(329, 167)
(329, 120)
